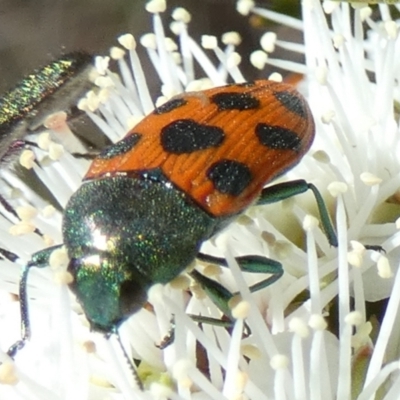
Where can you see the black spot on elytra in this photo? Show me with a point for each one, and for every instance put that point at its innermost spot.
(292, 102)
(187, 136)
(121, 147)
(278, 138)
(229, 176)
(235, 101)
(170, 105)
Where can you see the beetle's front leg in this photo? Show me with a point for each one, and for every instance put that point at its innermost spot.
(39, 260)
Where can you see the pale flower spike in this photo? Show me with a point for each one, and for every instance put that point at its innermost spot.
(350, 79)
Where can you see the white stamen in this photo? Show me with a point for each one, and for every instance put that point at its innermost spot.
(327, 117)
(155, 293)
(8, 374)
(56, 151)
(160, 391)
(233, 60)
(268, 41)
(354, 318)
(181, 282)
(362, 337)
(26, 213)
(176, 27)
(321, 73)
(322, 156)
(370, 179)
(27, 159)
(21, 228)
(116, 53)
(59, 258)
(44, 141)
(279, 361)
(241, 310)
(251, 352)
(180, 372)
(365, 13)
(232, 38)
(391, 29)
(170, 45)
(357, 246)
(310, 223)
(336, 188)
(317, 322)
(330, 6)
(182, 15)
(104, 82)
(276, 77)
(209, 42)
(212, 271)
(298, 326)
(63, 278)
(338, 40)
(244, 6)
(355, 258)
(258, 59)
(101, 64)
(149, 41)
(156, 6)
(48, 211)
(128, 41)
(384, 269)
(231, 387)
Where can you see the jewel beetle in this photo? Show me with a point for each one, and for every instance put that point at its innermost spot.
(187, 170)
(56, 86)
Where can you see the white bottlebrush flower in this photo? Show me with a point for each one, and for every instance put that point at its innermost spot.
(351, 82)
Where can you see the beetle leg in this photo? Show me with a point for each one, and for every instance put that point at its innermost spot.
(281, 191)
(169, 338)
(253, 264)
(39, 260)
(129, 362)
(219, 295)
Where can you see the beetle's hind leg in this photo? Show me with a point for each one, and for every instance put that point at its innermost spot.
(221, 296)
(251, 263)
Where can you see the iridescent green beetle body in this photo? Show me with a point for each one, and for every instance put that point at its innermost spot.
(55, 87)
(124, 234)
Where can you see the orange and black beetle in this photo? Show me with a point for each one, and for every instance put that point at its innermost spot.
(149, 201)
(183, 173)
